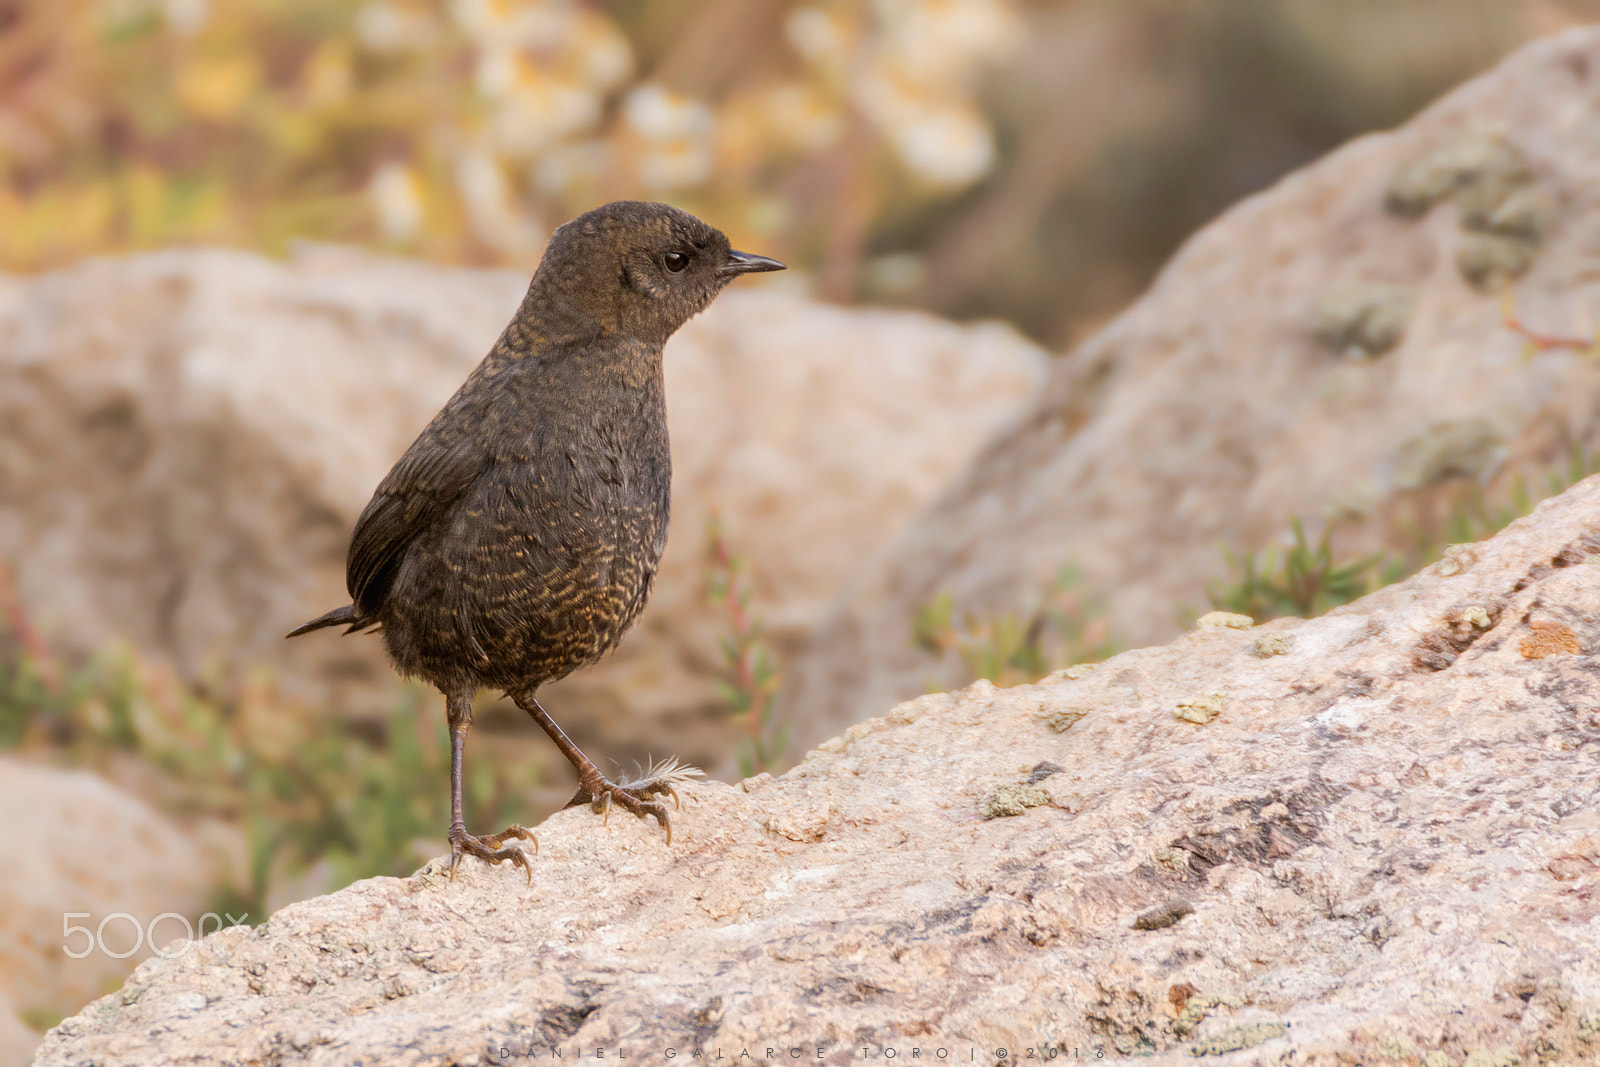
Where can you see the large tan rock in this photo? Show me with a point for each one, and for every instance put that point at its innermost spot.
(1368, 838)
(82, 851)
(1335, 349)
(187, 437)
(17, 1039)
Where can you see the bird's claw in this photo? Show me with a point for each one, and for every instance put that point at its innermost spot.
(649, 789)
(636, 794)
(602, 794)
(490, 848)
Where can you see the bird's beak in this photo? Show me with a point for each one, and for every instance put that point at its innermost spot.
(746, 263)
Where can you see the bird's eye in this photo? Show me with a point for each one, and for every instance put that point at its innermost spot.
(676, 262)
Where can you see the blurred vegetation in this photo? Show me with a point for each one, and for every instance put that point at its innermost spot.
(1032, 159)
(750, 676)
(1303, 581)
(464, 129)
(1064, 628)
(305, 789)
(1296, 579)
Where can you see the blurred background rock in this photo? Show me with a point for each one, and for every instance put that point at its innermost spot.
(336, 205)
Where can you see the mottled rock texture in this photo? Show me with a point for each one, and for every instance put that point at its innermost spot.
(1385, 849)
(1335, 349)
(187, 437)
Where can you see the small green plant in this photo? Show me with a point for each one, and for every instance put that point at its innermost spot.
(750, 676)
(1476, 517)
(1298, 580)
(34, 694)
(1065, 628)
(1305, 581)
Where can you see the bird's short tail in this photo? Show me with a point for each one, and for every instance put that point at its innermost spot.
(345, 616)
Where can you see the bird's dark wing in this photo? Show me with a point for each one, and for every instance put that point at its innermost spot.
(432, 475)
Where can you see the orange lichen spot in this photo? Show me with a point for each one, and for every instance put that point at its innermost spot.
(1549, 639)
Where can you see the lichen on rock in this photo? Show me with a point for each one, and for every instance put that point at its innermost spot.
(1489, 260)
(1363, 318)
(1196, 1006)
(1163, 915)
(1014, 798)
(1228, 620)
(1457, 558)
(1175, 858)
(1549, 638)
(1245, 1035)
(1201, 709)
(1504, 213)
(1061, 719)
(1273, 643)
(1468, 159)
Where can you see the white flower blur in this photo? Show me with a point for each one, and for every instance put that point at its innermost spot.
(397, 199)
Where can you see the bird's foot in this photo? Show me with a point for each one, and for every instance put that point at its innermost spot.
(637, 794)
(490, 848)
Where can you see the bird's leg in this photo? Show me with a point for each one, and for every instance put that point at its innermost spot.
(599, 793)
(458, 711)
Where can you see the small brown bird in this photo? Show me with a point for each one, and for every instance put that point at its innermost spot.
(518, 537)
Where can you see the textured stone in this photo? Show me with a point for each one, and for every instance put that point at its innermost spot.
(1212, 412)
(1381, 854)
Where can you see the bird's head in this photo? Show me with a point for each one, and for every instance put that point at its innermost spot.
(640, 269)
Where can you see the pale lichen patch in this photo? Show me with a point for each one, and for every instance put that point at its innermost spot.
(1013, 799)
(1273, 643)
(1201, 709)
(1224, 619)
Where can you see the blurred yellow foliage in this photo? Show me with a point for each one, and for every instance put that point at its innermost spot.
(216, 89)
(464, 129)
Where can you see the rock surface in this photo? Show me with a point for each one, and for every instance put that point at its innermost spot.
(187, 437)
(80, 845)
(1384, 849)
(1335, 349)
